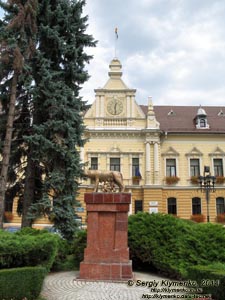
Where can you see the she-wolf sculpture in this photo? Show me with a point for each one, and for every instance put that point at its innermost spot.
(111, 177)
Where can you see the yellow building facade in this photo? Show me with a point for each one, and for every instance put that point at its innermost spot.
(160, 150)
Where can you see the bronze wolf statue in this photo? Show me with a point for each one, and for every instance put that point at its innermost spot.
(106, 176)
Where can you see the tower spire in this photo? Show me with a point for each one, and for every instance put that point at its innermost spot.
(116, 39)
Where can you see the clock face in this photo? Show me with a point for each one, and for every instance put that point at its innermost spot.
(115, 106)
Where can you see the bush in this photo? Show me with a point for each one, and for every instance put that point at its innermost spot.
(210, 278)
(27, 248)
(79, 245)
(70, 254)
(19, 283)
(172, 245)
(64, 259)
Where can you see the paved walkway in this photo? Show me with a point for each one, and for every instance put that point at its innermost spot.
(64, 286)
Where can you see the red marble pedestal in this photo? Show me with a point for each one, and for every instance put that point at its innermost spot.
(107, 254)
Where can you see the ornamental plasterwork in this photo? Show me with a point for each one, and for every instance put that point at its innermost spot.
(114, 149)
(194, 153)
(105, 152)
(218, 152)
(152, 137)
(170, 152)
(126, 135)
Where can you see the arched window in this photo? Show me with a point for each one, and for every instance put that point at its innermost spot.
(196, 206)
(220, 206)
(202, 123)
(172, 206)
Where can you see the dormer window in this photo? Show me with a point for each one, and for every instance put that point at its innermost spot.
(221, 113)
(202, 123)
(201, 119)
(171, 113)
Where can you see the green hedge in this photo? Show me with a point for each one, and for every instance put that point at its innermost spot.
(79, 244)
(172, 245)
(19, 283)
(28, 248)
(64, 259)
(210, 278)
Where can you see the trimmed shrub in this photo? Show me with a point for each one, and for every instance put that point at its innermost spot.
(19, 283)
(64, 259)
(79, 244)
(210, 278)
(23, 249)
(172, 245)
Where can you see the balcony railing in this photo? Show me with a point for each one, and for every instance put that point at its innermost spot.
(115, 122)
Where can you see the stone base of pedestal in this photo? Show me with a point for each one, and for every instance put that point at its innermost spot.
(106, 271)
(106, 256)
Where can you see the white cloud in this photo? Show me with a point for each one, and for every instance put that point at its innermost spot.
(173, 50)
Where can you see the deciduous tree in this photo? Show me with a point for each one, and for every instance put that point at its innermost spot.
(17, 33)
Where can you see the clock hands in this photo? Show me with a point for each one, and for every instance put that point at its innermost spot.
(115, 107)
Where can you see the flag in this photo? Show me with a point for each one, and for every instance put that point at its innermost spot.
(137, 172)
(116, 32)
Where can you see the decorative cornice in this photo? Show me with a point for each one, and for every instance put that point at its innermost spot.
(100, 152)
(113, 134)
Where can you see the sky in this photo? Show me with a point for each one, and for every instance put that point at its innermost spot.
(171, 50)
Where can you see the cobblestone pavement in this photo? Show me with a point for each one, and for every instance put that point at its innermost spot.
(64, 286)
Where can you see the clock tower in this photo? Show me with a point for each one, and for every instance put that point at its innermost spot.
(114, 104)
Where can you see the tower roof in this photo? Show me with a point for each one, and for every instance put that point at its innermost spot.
(115, 73)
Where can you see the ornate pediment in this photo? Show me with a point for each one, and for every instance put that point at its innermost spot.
(218, 152)
(194, 153)
(170, 152)
(115, 106)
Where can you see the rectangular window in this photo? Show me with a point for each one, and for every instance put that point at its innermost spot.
(196, 206)
(194, 167)
(94, 163)
(138, 205)
(115, 164)
(218, 166)
(135, 167)
(172, 206)
(171, 167)
(220, 206)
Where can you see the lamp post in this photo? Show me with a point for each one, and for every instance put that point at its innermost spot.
(207, 185)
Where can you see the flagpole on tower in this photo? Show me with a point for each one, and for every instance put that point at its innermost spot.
(116, 38)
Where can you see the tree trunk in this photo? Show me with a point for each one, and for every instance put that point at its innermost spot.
(7, 147)
(28, 197)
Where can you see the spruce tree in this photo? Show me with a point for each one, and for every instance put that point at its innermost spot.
(57, 130)
(49, 128)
